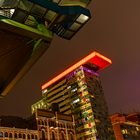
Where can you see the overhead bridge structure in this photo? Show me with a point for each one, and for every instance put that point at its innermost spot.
(26, 31)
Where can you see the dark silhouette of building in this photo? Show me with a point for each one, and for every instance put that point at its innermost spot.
(18, 122)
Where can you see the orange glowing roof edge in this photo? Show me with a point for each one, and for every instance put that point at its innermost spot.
(73, 67)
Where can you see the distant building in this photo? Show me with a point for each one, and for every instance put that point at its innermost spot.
(18, 122)
(126, 127)
(134, 117)
(13, 127)
(55, 126)
(47, 126)
(78, 91)
(9, 133)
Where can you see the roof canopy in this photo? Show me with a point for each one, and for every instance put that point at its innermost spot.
(95, 58)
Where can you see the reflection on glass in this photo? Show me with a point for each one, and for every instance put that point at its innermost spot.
(25, 5)
(8, 3)
(38, 10)
(20, 16)
(68, 34)
(50, 15)
(75, 26)
(82, 18)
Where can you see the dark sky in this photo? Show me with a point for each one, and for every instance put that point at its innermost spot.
(113, 31)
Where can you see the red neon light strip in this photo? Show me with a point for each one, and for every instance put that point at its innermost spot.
(89, 58)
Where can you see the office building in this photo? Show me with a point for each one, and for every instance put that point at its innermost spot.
(78, 91)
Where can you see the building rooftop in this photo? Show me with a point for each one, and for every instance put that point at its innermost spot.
(94, 58)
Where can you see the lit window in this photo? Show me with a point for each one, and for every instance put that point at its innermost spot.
(44, 91)
(137, 128)
(126, 131)
(82, 18)
(68, 87)
(73, 90)
(38, 105)
(76, 101)
(123, 131)
(12, 11)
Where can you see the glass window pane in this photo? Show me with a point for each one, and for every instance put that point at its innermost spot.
(31, 21)
(75, 26)
(61, 18)
(68, 34)
(20, 16)
(50, 15)
(1, 134)
(8, 3)
(82, 18)
(38, 10)
(25, 5)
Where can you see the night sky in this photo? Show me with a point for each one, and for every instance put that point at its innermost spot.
(113, 31)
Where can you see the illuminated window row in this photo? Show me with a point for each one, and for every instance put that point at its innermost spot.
(61, 94)
(56, 91)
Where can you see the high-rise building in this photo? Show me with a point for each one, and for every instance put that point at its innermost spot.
(126, 127)
(78, 91)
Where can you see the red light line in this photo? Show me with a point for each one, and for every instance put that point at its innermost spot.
(73, 67)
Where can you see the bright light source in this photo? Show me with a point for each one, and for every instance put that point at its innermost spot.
(12, 11)
(44, 91)
(76, 101)
(82, 18)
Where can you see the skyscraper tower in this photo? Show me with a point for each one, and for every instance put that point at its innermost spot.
(78, 91)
